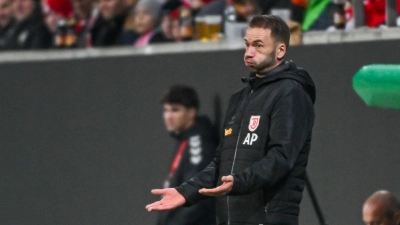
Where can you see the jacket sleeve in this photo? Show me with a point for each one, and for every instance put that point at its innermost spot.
(204, 179)
(290, 125)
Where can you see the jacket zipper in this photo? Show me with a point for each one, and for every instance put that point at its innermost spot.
(234, 157)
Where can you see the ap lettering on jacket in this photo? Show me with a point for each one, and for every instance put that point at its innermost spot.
(253, 125)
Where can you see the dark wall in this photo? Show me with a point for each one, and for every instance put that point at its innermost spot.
(82, 141)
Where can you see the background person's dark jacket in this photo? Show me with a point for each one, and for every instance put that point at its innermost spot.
(5, 33)
(30, 33)
(108, 32)
(201, 144)
(130, 37)
(269, 172)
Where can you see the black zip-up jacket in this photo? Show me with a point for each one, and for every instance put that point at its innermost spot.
(30, 33)
(265, 147)
(202, 140)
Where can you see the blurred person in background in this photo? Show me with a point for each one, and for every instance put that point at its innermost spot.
(234, 14)
(381, 208)
(29, 31)
(318, 15)
(59, 18)
(170, 19)
(375, 12)
(6, 21)
(147, 15)
(196, 139)
(84, 16)
(129, 25)
(244, 8)
(108, 28)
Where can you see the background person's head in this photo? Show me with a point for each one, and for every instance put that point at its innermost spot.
(109, 9)
(83, 8)
(381, 208)
(246, 8)
(23, 9)
(6, 12)
(147, 15)
(54, 10)
(181, 104)
(267, 40)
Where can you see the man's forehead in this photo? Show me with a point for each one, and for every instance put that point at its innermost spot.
(257, 34)
(173, 105)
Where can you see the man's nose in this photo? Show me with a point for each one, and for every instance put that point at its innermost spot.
(250, 52)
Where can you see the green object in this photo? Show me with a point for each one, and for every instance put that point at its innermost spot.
(379, 85)
(314, 10)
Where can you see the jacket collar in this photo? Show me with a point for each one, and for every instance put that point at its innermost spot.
(185, 134)
(271, 76)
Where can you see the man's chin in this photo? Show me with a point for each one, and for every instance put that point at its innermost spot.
(252, 69)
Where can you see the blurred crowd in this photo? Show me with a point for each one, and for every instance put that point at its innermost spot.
(40, 24)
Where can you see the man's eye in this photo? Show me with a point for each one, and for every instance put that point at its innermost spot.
(259, 46)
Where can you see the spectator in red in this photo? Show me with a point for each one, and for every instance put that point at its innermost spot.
(6, 20)
(375, 12)
(29, 31)
(107, 30)
(54, 10)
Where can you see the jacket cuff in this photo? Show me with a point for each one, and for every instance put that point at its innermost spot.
(237, 187)
(189, 193)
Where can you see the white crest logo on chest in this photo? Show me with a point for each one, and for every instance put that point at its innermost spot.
(254, 122)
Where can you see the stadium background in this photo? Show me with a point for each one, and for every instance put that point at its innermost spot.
(82, 140)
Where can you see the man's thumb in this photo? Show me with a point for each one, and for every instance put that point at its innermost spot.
(158, 191)
(227, 178)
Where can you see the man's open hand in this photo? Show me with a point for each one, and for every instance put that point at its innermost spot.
(223, 189)
(172, 199)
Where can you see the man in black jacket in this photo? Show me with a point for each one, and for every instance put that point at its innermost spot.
(108, 28)
(6, 20)
(258, 174)
(196, 142)
(29, 31)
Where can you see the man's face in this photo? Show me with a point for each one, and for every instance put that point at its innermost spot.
(6, 12)
(144, 21)
(261, 51)
(177, 117)
(23, 8)
(376, 215)
(51, 18)
(82, 8)
(111, 8)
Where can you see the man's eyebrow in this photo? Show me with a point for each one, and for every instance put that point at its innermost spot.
(254, 41)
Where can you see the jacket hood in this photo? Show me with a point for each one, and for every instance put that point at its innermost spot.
(285, 70)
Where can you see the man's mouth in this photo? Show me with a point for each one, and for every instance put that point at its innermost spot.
(248, 63)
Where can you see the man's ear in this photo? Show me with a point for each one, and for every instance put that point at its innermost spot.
(396, 218)
(280, 51)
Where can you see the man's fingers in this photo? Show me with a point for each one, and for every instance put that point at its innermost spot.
(154, 204)
(212, 192)
(158, 207)
(158, 191)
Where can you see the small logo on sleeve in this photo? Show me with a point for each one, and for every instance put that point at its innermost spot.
(228, 132)
(254, 122)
